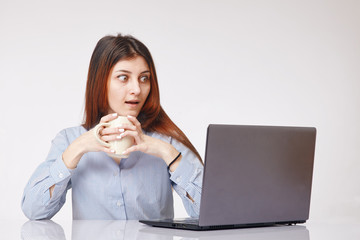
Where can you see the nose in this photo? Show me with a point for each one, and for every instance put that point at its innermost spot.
(134, 87)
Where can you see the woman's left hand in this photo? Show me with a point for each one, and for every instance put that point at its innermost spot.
(147, 144)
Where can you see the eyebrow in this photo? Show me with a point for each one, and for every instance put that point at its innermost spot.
(126, 71)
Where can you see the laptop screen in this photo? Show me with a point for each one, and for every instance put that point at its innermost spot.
(257, 174)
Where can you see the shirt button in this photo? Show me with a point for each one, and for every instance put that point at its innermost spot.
(178, 179)
(198, 170)
(61, 175)
(118, 203)
(115, 174)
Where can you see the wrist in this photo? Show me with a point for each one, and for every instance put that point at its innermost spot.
(169, 154)
(172, 157)
(71, 156)
(174, 161)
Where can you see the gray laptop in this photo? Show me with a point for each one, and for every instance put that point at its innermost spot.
(253, 176)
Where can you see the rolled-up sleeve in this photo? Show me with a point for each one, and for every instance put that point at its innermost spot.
(187, 179)
(36, 202)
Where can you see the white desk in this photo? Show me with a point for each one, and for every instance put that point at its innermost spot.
(131, 230)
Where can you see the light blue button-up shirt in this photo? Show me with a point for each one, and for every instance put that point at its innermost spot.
(140, 187)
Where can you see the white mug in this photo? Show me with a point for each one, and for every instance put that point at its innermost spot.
(119, 146)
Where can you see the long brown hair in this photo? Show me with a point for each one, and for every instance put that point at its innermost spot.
(108, 51)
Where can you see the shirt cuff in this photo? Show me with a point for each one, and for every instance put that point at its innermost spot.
(58, 171)
(186, 172)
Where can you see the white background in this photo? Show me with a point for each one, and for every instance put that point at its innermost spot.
(278, 62)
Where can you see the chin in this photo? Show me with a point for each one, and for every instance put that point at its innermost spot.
(132, 113)
(126, 112)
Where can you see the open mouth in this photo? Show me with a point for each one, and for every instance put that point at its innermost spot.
(132, 102)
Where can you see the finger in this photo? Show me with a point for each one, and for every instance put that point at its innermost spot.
(109, 131)
(133, 149)
(133, 134)
(118, 135)
(113, 137)
(108, 117)
(107, 150)
(134, 121)
(127, 126)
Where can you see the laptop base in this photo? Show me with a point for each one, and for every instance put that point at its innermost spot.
(193, 225)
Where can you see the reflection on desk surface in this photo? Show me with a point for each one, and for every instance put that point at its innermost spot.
(129, 230)
(269, 233)
(45, 229)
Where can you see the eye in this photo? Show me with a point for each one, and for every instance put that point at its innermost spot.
(122, 78)
(144, 79)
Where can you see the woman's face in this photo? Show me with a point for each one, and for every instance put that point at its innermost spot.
(129, 86)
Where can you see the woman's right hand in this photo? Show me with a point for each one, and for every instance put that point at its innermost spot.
(88, 143)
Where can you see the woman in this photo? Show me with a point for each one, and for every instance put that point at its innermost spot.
(121, 81)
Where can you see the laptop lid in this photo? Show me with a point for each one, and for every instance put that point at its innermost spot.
(257, 174)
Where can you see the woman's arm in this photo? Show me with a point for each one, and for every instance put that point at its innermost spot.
(45, 193)
(187, 179)
(36, 201)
